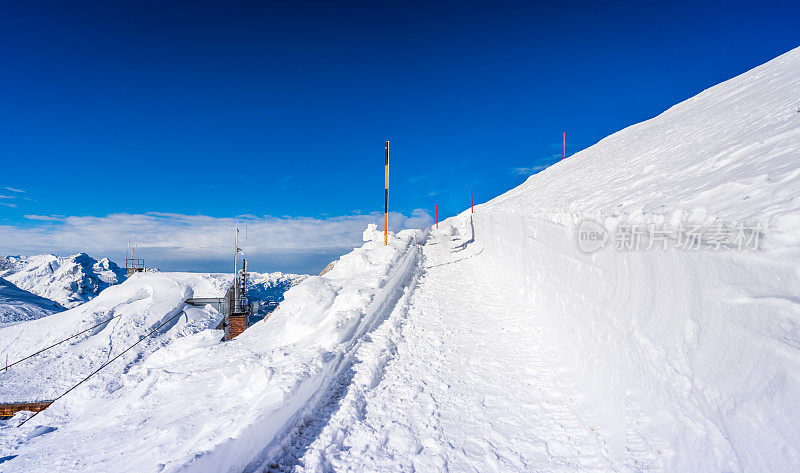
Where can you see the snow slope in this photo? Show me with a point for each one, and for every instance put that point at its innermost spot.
(18, 305)
(707, 342)
(70, 280)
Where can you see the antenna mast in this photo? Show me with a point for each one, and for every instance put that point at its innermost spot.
(235, 260)
(238, 310)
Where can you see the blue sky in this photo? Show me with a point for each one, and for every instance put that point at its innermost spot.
(218, 109)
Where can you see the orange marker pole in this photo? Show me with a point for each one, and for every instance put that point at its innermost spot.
(386, 199)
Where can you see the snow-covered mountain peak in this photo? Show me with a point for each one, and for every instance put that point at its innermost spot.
(70, 280)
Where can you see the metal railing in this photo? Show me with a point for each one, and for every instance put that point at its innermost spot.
(134, 263)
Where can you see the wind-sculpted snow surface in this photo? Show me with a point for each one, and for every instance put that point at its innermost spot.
(70, 280)
(198, 404)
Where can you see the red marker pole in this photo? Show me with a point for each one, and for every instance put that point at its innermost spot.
(471, 202)
(437, 217)
(564, 146)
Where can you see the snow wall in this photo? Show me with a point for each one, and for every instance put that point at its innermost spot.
(679, 333)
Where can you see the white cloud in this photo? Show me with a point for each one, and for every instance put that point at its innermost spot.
(45, 218)
(13, 189)
(8, 196)
(8, 205)
(176, 241)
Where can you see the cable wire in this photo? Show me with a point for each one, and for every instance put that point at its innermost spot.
(62, 341)
(105, 364)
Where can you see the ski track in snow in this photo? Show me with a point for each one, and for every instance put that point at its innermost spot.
(431, 391)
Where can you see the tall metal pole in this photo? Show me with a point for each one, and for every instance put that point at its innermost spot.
(386, 199)
(235, 279)
(243, 288)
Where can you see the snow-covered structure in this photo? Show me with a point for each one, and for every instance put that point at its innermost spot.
(496, 343)
(68, 280)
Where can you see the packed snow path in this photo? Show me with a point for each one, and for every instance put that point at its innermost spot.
(458, 379)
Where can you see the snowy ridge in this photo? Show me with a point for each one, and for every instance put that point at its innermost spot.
(18, 305)
(728, 153)
(70, 280)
